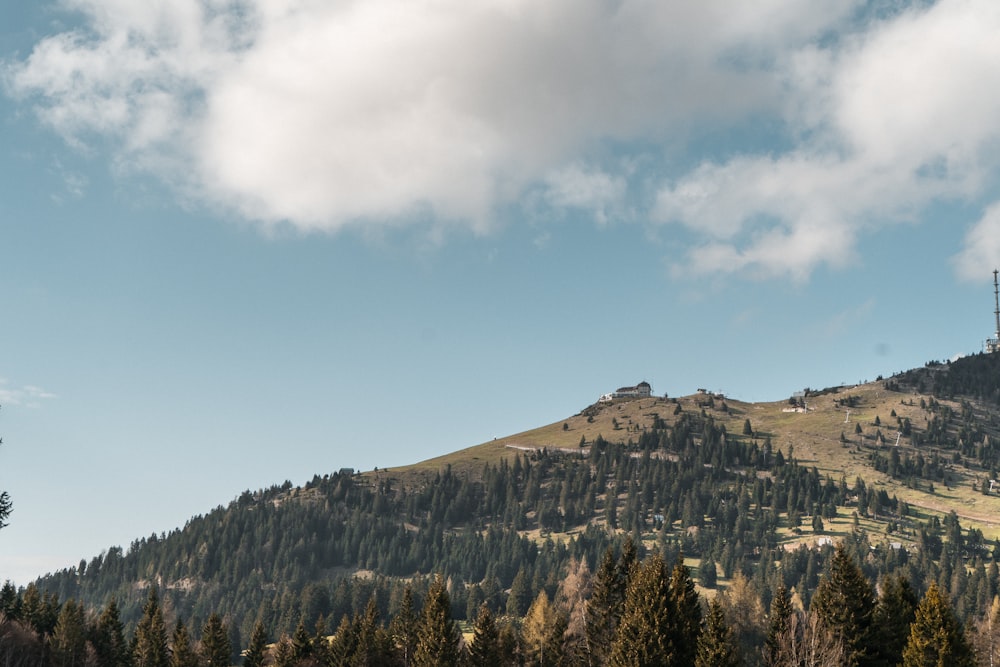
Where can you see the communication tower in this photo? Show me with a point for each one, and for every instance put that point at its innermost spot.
(993, 344)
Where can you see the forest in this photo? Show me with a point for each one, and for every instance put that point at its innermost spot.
(668, 547)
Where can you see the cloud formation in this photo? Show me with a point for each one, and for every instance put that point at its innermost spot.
(27, 396)
(327, 116)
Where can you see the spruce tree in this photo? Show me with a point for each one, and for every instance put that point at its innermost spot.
(936, 637)
(182, 653)
(302, 642)
(403, 628)
(151, 635)
(519, 598)
(345, 642)
(687, 622)
(894, 614)
(845, 604)
(603, 610)
(215, 646)
(485, 648)
(781, 613)
(110, 647)
(69, 639)
(374, 644)
(715, 644)
(437, 635)
(257, 650)
(645, 636)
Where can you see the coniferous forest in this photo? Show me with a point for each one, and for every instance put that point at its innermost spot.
(666, 546)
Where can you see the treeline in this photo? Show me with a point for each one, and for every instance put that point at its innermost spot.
(632, 610)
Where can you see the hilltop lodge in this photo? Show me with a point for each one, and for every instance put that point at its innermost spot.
(641, 390)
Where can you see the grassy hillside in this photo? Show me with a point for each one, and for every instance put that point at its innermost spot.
(811, 430)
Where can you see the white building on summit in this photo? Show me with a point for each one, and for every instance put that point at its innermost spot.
(641, 390)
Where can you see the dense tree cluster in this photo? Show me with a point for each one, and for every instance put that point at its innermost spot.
(637, 612)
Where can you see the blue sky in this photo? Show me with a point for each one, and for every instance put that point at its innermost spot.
(245, 241)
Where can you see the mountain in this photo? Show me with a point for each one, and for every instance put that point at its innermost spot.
(900, 467)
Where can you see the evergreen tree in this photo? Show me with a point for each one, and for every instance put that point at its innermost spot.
(603, 610)
(485, 648)
(437, 636)
(687, 622)
(781, 613)
(519, 598)
(257, 650)
(707, 573)
(69, 639)
(845, 604)
(645, 636)
(345, 642)
(284, 653)
(403, 628)
(10, 601)
(110, 647)
(215, 646)
(302, 642)
(715, 644)
(182, 653)
(894, 613)
(374, 644)
(936, 638)
(151, 635)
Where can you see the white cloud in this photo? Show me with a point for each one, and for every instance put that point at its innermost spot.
(327, 115)
(581, 187)
(27, 396)
(980, 252)
(905, 113)
(822, 123)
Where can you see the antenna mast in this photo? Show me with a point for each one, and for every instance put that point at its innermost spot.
(993, 344)
(996, 301)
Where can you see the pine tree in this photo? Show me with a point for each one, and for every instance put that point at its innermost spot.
(257, 650)
(302, 643)
(110, 647)
(345, 642)
(69, 639)
(284, 653)
(603, 610)
(715, 644)
(182, 653)
(485, 648)
(374, 644)
(215, 647)
(645, 636)
(845, 604)
(936, 638)
(781, 613)
(403, 628)
(519, 598)
(894, 614)
(437, 636)
(151, 635)
(687, 622)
